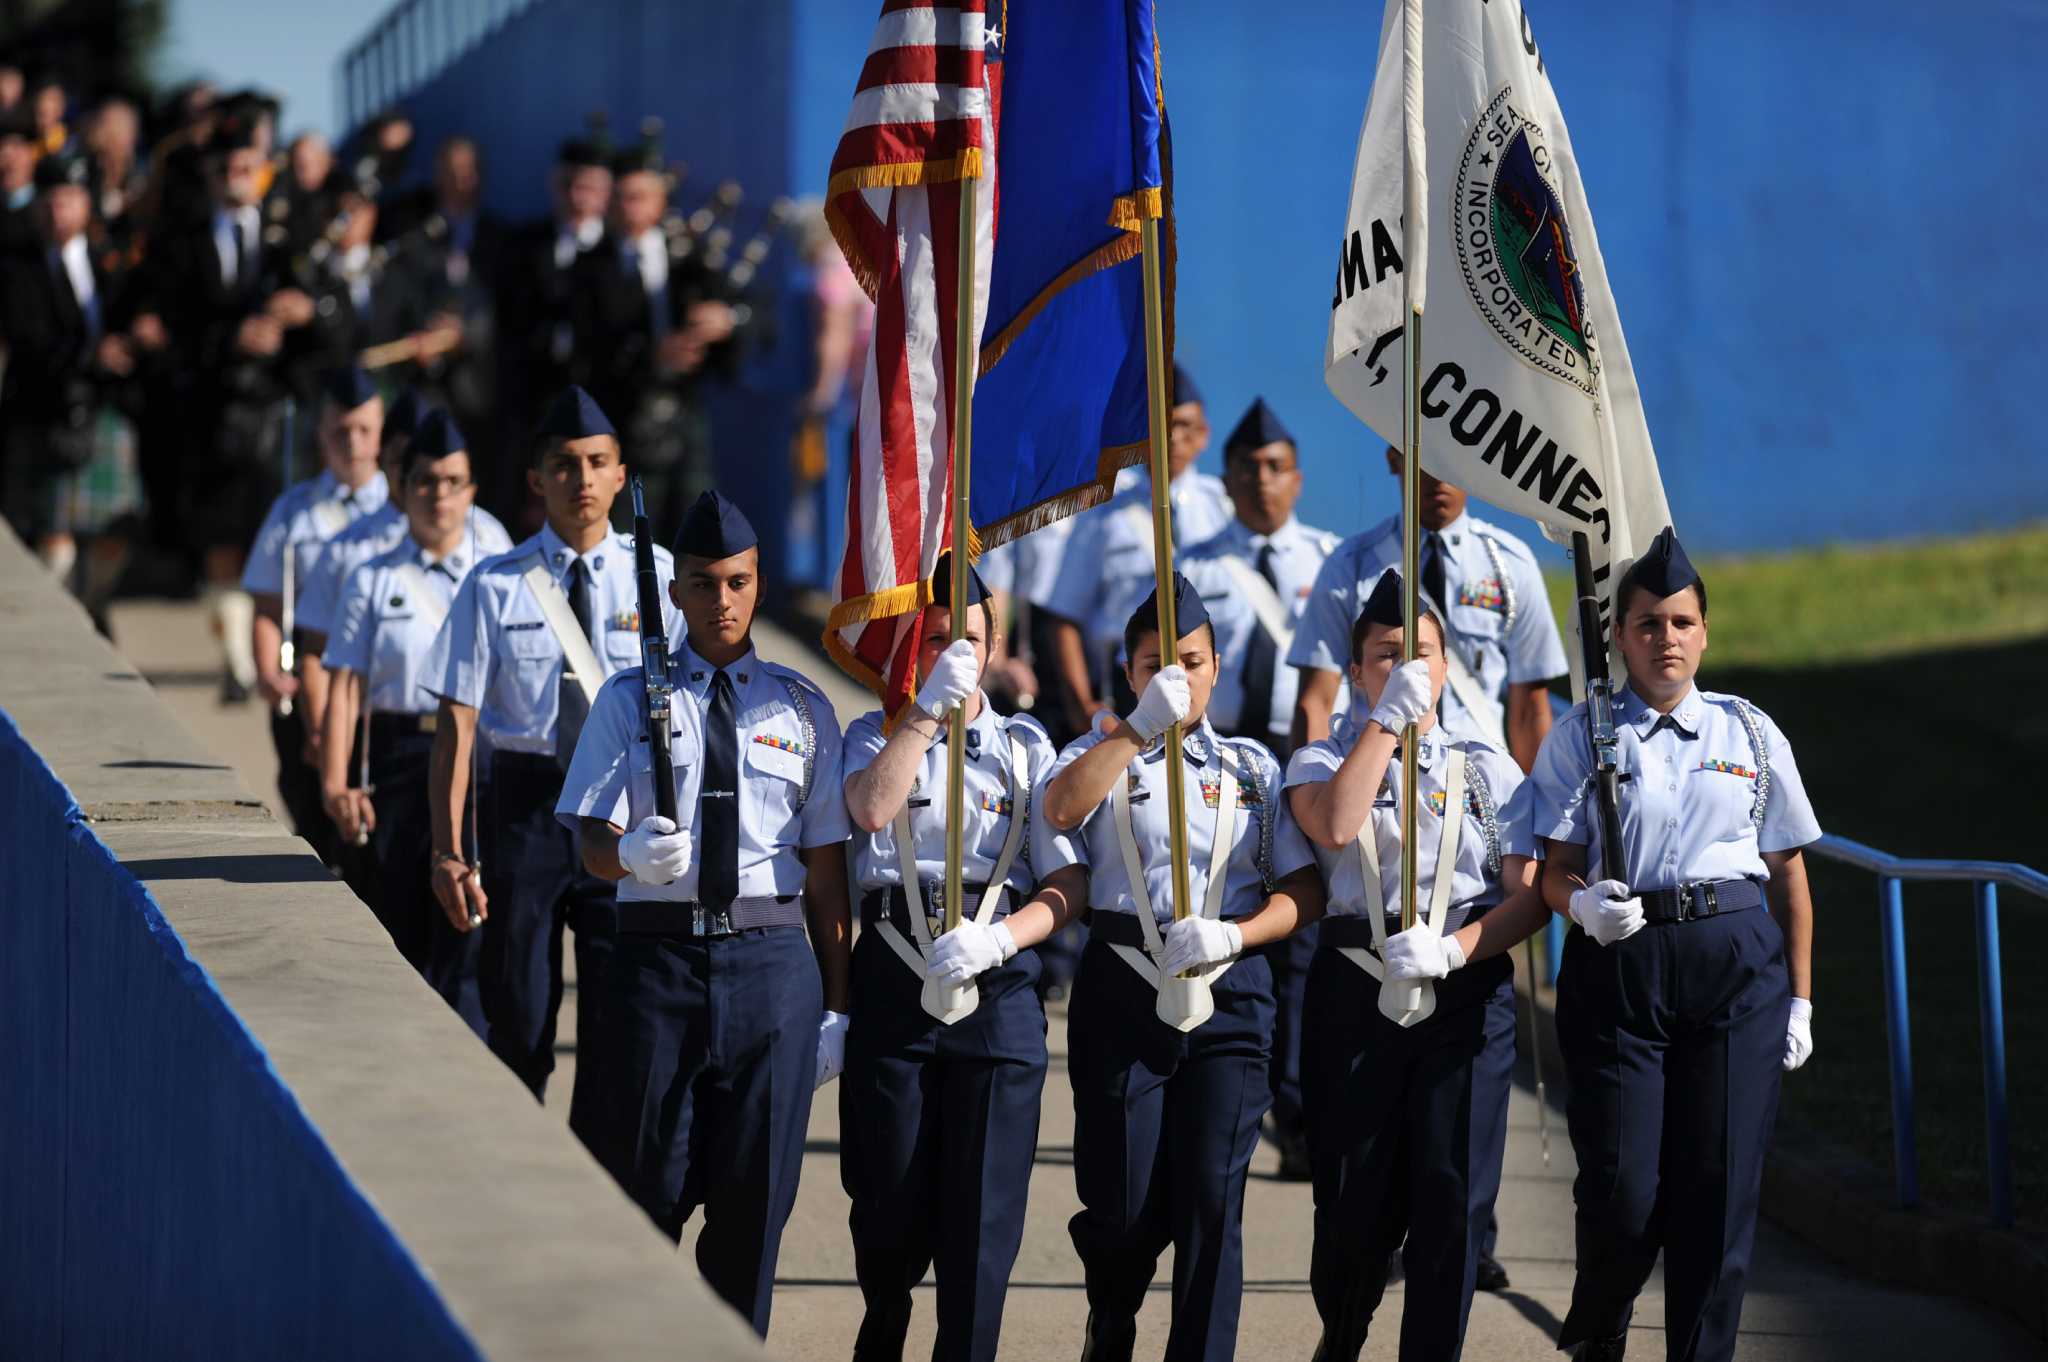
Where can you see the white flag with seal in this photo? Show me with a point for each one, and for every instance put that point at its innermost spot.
(1529, 401)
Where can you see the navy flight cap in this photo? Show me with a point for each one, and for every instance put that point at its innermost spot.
(1259, 427)
(1189, 614)
(404, 414)
(1385, 607)
(942, 583)
(348, 388)
(1184, 389)
(575, 415)
(714, 528)
(436, 437)
(1663, 570)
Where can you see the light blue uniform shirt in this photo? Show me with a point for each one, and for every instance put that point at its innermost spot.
(1474, 887)
(990, 809)
(378, 532)
(1105, 570)
(497, 655)
(1488, 575)
(1266, 844)
(1688, 791)
(385, 632)
(300, 521)
(784, 748)
(1298, 554)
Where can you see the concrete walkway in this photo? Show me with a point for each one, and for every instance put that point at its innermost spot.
(1800, 1306)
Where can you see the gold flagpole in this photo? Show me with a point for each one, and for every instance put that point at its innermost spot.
(949, 1005)
(1184, 1002)
(1411, 553)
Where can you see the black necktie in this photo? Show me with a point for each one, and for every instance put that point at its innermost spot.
(243, 270)
(1259, 659)
(718, 818)
(1433, 569)
(572, 705)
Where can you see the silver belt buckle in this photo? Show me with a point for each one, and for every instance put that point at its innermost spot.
(697, 923)
(1709, 899)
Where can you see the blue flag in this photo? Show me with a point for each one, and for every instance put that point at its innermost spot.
(1061, 402)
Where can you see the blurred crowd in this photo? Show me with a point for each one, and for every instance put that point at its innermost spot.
(176, 278)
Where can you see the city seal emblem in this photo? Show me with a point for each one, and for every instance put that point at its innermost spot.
(1515, 246)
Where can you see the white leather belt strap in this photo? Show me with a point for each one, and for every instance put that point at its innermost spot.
(426, 604)
(577, 654)
(1259, 594)
(1438, 910)
(1220, 846)
(913, 889)
(1485, 713)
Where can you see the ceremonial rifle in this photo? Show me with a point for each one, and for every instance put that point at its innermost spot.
(653, 658)
(1599, 711)
(287, 652)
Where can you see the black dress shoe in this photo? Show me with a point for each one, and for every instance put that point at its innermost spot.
(1294, 1164)
(1108, 1340)
(1604, 1349)
(233, 692)
(1491, 1275)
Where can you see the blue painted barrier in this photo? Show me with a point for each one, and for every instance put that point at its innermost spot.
(161, 1191)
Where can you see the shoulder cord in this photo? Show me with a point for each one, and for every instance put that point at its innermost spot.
(1507, 584)
(1489, 821)
(1250, 766)
(802, 703)
(1762, 753)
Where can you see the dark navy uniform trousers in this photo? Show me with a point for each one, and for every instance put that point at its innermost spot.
(401, 853)
(1674, 1042)
(1406, 1131)
(1291, 960)
(534, 878)
(938, 1126)
(702, 1074)
(1165, 1125)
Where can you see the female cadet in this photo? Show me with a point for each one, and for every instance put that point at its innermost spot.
(1165, 1121)
(390, 608)
(1407, 1124)
(1680, 1001)
(940, 1122)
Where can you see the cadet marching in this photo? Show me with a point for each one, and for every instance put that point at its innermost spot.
(461, 718)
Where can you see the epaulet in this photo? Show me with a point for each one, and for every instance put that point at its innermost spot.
(1731, 704)
(1253, 747)
(1031, 726)
(792, 674)
(1373, 534)
(1503, 540)
(1472, 746)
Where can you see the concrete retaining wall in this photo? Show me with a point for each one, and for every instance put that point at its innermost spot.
(235, 1124)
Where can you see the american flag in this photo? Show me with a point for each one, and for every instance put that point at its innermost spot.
(924, 119)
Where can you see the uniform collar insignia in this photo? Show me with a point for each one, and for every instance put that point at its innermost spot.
(1195, 743)
(1639, 716)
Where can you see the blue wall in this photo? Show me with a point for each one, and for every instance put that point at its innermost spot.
(161, 1194)
(1818, 222)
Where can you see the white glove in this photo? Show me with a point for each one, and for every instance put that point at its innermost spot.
(1406, 699)
(1607, 912)
(831, 1047)
(1165, 701)
(1195, 941)
(968, 950)
(656, 852)
(1799, 1034)
(953, 677)
(1422, 952)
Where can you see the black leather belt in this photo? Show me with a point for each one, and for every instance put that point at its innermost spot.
(1700, 899)
(877, 904)
(1123, 929)
(1348, 929)
(390, 727)
(654, 917)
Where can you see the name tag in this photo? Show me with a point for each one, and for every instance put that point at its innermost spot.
(515, 628)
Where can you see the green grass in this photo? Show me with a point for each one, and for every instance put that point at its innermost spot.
(1910, 681)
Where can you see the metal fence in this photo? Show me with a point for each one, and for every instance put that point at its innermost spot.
(412, 43)
(1892, 872)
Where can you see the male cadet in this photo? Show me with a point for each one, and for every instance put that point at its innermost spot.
(390, 611)
(350, 485)
(1254, 578)
(719, 1019)
(1106, 569)
(1503, 645)
(529, 639)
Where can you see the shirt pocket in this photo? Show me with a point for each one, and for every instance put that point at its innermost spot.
(390, 651)
(774, 790)
(530, 647)
(622, 647)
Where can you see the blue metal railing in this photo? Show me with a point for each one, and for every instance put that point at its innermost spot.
(1892, 872)
(414, 41)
